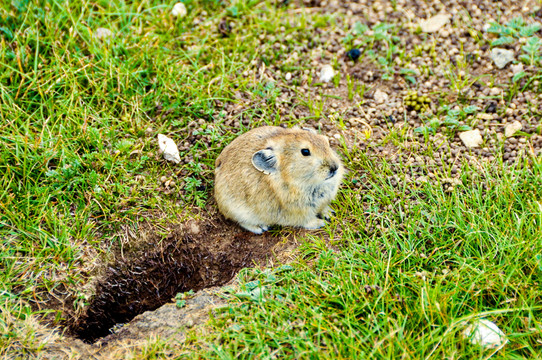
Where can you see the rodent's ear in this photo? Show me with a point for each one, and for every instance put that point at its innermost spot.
(265, 161)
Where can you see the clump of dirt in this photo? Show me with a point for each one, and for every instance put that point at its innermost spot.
(194, 256)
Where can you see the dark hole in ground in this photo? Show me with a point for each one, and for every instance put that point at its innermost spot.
(184, 261)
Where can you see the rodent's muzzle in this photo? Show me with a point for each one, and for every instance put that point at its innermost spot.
(332, 171)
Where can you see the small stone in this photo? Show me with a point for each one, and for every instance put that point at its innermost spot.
(421, 180)
(163, 179)
(354, 54)
(452, 181)
(380, 96)
(224, 28)
(501, 57)
(179, 10)
(288, 76)
(434, 23)
(512, 128)
(494, 91)
(102, 34)
(491, 108)
(471, 138)
(484, 116)
(485, 333)
(327, 73)
(516, 68)
(169, 149)
(194, 228)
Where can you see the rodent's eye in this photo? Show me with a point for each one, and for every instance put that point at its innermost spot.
(305, 152)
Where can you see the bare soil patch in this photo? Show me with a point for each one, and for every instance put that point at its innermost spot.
(193, 256)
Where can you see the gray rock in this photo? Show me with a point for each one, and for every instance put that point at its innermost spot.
(169, 321)
(501, 57)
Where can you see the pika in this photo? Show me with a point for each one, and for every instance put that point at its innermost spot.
(276, 176)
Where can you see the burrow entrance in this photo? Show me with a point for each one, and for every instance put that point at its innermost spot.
(186, 260)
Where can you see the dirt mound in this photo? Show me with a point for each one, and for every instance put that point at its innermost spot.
(194, 256)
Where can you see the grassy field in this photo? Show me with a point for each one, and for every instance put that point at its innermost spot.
(428, 234)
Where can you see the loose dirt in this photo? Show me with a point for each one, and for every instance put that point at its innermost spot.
(134, 296)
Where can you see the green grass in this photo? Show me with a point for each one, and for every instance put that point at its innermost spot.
(406, 290)
(79, 165)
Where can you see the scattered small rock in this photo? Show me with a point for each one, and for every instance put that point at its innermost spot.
(516, 68)
(169, 149)
(380, 96)
(452, 181)
(421, 274)
(494, 91)
(179, 10)
(501, 57)
(102, 34)
(435, 23)
(485, 333)
(327, 73)
(194, 228)
(224, 28)
(471, 138)
(485, 116)
(354, 54)
(512, 128)
(422, 180)
(491, 108)
(288, 76)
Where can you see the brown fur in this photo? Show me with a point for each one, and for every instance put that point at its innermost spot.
(295, 191)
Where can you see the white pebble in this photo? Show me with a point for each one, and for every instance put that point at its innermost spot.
(471, 138)
(485, 333)
(434, 23)
(512, 128)
(485, 116)
(179, 10)
(327, 73)
(495, 91)
(380, 96)
(169, 149)
(517, 68)
(102, 33)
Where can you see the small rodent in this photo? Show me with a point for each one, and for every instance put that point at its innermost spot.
(276, 176)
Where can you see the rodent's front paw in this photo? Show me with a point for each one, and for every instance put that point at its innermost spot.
(256, 229)
(326, 214)
(315, 224)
